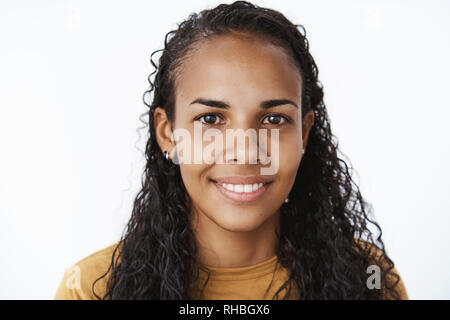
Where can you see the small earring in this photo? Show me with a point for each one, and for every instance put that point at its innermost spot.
(303, 151)
(286, 200)
(166, 155)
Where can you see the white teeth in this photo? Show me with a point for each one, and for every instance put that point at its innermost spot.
(242, 187)
(229, 187)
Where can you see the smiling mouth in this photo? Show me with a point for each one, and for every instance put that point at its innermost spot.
(242, 193)
(241, 188)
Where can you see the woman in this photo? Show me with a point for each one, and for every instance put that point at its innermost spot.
(224, 229)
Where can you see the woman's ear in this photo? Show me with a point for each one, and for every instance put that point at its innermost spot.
(308, 121)
(163, 129)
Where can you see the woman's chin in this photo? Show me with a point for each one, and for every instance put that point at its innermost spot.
(244, 222)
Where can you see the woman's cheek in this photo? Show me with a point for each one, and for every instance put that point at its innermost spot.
(289, 156)
(192, 173)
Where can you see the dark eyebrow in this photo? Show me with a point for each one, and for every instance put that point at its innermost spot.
(223, 105)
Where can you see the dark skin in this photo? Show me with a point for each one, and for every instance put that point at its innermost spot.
(241, 70)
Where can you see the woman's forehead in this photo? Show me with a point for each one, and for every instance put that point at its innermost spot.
(229, 64)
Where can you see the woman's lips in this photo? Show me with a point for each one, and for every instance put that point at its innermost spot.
(241, 197)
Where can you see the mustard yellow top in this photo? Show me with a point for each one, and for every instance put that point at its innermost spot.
(256, 282)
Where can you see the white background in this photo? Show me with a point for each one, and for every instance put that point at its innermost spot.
(72, 75)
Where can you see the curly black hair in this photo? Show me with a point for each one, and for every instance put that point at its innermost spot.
(324, 229)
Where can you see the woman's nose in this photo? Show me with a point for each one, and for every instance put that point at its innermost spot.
(241, 145)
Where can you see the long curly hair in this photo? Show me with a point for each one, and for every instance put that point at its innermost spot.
(325, 227)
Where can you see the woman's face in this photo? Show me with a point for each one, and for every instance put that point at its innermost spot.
(242, 72)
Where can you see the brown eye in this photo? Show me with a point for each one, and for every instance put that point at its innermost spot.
(275, 119)
(209, 119)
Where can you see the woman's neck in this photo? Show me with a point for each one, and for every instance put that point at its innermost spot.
(218, 247)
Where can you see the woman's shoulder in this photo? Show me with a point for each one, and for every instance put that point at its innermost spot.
(393, 278)
(79, 278)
